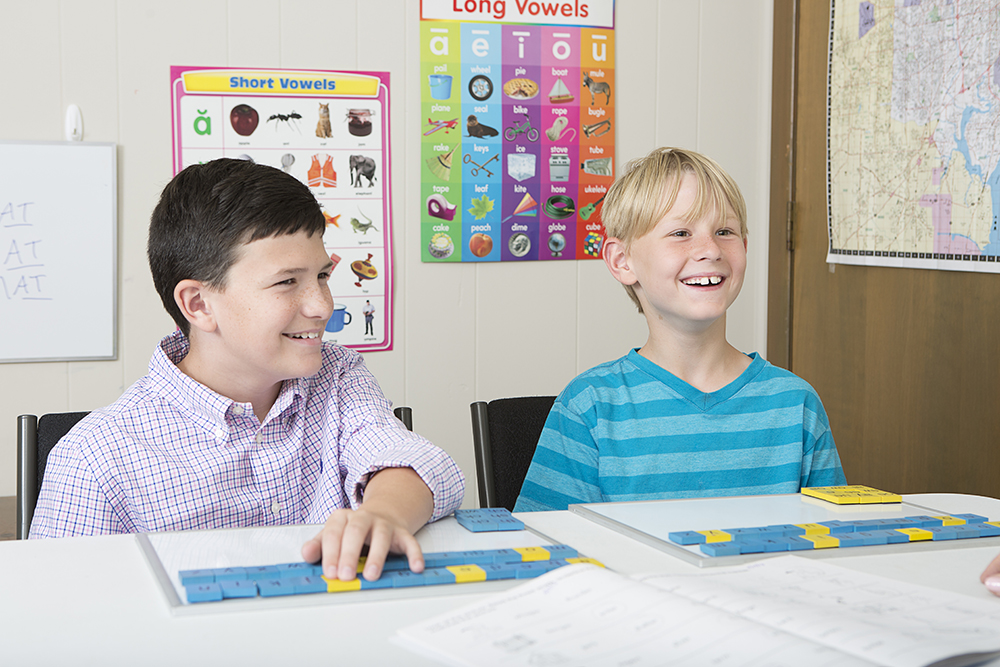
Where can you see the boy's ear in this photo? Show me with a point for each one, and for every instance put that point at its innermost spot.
(617, 260)
(192, 299)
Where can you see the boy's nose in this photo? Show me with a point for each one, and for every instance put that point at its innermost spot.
(708, 248)
(318, 302)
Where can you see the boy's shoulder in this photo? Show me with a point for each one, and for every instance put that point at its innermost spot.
(106, 428)
(610, 373)
(771, 379)
(606, 379)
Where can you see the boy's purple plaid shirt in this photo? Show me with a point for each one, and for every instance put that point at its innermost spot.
(171, 454)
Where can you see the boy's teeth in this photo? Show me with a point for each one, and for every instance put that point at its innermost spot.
(305, 335)
(704, 280)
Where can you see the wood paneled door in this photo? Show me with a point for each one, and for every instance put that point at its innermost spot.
(907, 361)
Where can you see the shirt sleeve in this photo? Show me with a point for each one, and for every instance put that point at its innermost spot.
(564, 469)
(71, 501)
(820, 460)
(372, 439)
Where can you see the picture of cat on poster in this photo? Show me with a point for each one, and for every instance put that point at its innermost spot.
(323, 128)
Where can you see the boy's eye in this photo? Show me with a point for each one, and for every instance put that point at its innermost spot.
(680, 232)
(290, 281)
(726, 232)
(324, 275)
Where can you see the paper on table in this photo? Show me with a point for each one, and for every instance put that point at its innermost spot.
(784, 611)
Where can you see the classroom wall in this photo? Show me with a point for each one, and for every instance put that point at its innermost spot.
(689, 73)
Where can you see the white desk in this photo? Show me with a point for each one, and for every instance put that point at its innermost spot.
(95, 601)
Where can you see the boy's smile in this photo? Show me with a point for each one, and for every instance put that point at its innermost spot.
(267, 325)
(688, 271)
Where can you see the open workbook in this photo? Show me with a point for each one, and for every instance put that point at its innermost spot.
(776, 612)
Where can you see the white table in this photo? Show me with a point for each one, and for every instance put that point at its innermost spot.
(95, 600)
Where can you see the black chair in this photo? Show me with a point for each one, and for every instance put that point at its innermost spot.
(404, 415)
(505, 433)
(35, 439)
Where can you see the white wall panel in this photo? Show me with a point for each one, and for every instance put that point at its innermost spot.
(688, 73)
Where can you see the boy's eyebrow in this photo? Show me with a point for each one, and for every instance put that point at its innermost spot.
(298, 270)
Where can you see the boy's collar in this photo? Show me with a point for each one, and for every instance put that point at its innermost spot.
(204, 401)
(704, 401)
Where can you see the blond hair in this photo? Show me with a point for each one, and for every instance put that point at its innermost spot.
(646, 190)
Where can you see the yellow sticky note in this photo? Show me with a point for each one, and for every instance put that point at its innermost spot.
(851, 494)
(916, 534)
(338, 586)
(529, 554)
(840, 495)
(467, 573)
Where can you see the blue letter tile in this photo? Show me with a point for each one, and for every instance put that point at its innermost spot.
(188, 577)
(238, 588)
(275, 587)
(203, 593)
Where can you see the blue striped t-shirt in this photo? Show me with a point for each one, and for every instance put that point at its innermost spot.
(630, 430)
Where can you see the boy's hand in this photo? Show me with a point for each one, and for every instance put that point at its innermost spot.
(991, 576)
(397, 504)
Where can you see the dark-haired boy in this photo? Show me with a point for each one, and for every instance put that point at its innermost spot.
(246, 417)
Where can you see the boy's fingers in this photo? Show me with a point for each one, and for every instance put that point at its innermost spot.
(331, 539)
(409, 545)
(312, 550)
(378, 549)
(351, 540)
(992, 569)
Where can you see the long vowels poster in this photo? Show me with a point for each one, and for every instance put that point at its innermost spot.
(518, 129)
(331, 131)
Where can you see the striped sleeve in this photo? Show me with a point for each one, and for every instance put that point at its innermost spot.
(820, 460)
(564, 469)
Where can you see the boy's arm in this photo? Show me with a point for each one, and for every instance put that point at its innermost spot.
(396, 480)
(564, 469)
(71, 501)
(370, 439)
(397, 503)
(820, 460)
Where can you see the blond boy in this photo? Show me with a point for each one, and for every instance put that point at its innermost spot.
(687, 415)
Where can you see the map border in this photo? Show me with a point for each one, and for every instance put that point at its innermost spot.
(886, 258)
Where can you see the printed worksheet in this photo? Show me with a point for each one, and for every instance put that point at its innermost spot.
(784, 611)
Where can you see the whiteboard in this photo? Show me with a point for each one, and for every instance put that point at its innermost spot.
(58, 251)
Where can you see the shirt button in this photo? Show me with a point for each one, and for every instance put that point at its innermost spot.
(276, 508)
(258, 438)
(237, 409)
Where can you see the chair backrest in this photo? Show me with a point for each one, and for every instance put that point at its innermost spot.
(405, 415)
(505, 433)
(35, 439)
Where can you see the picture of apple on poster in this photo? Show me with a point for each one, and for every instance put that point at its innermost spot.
(244, 119)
